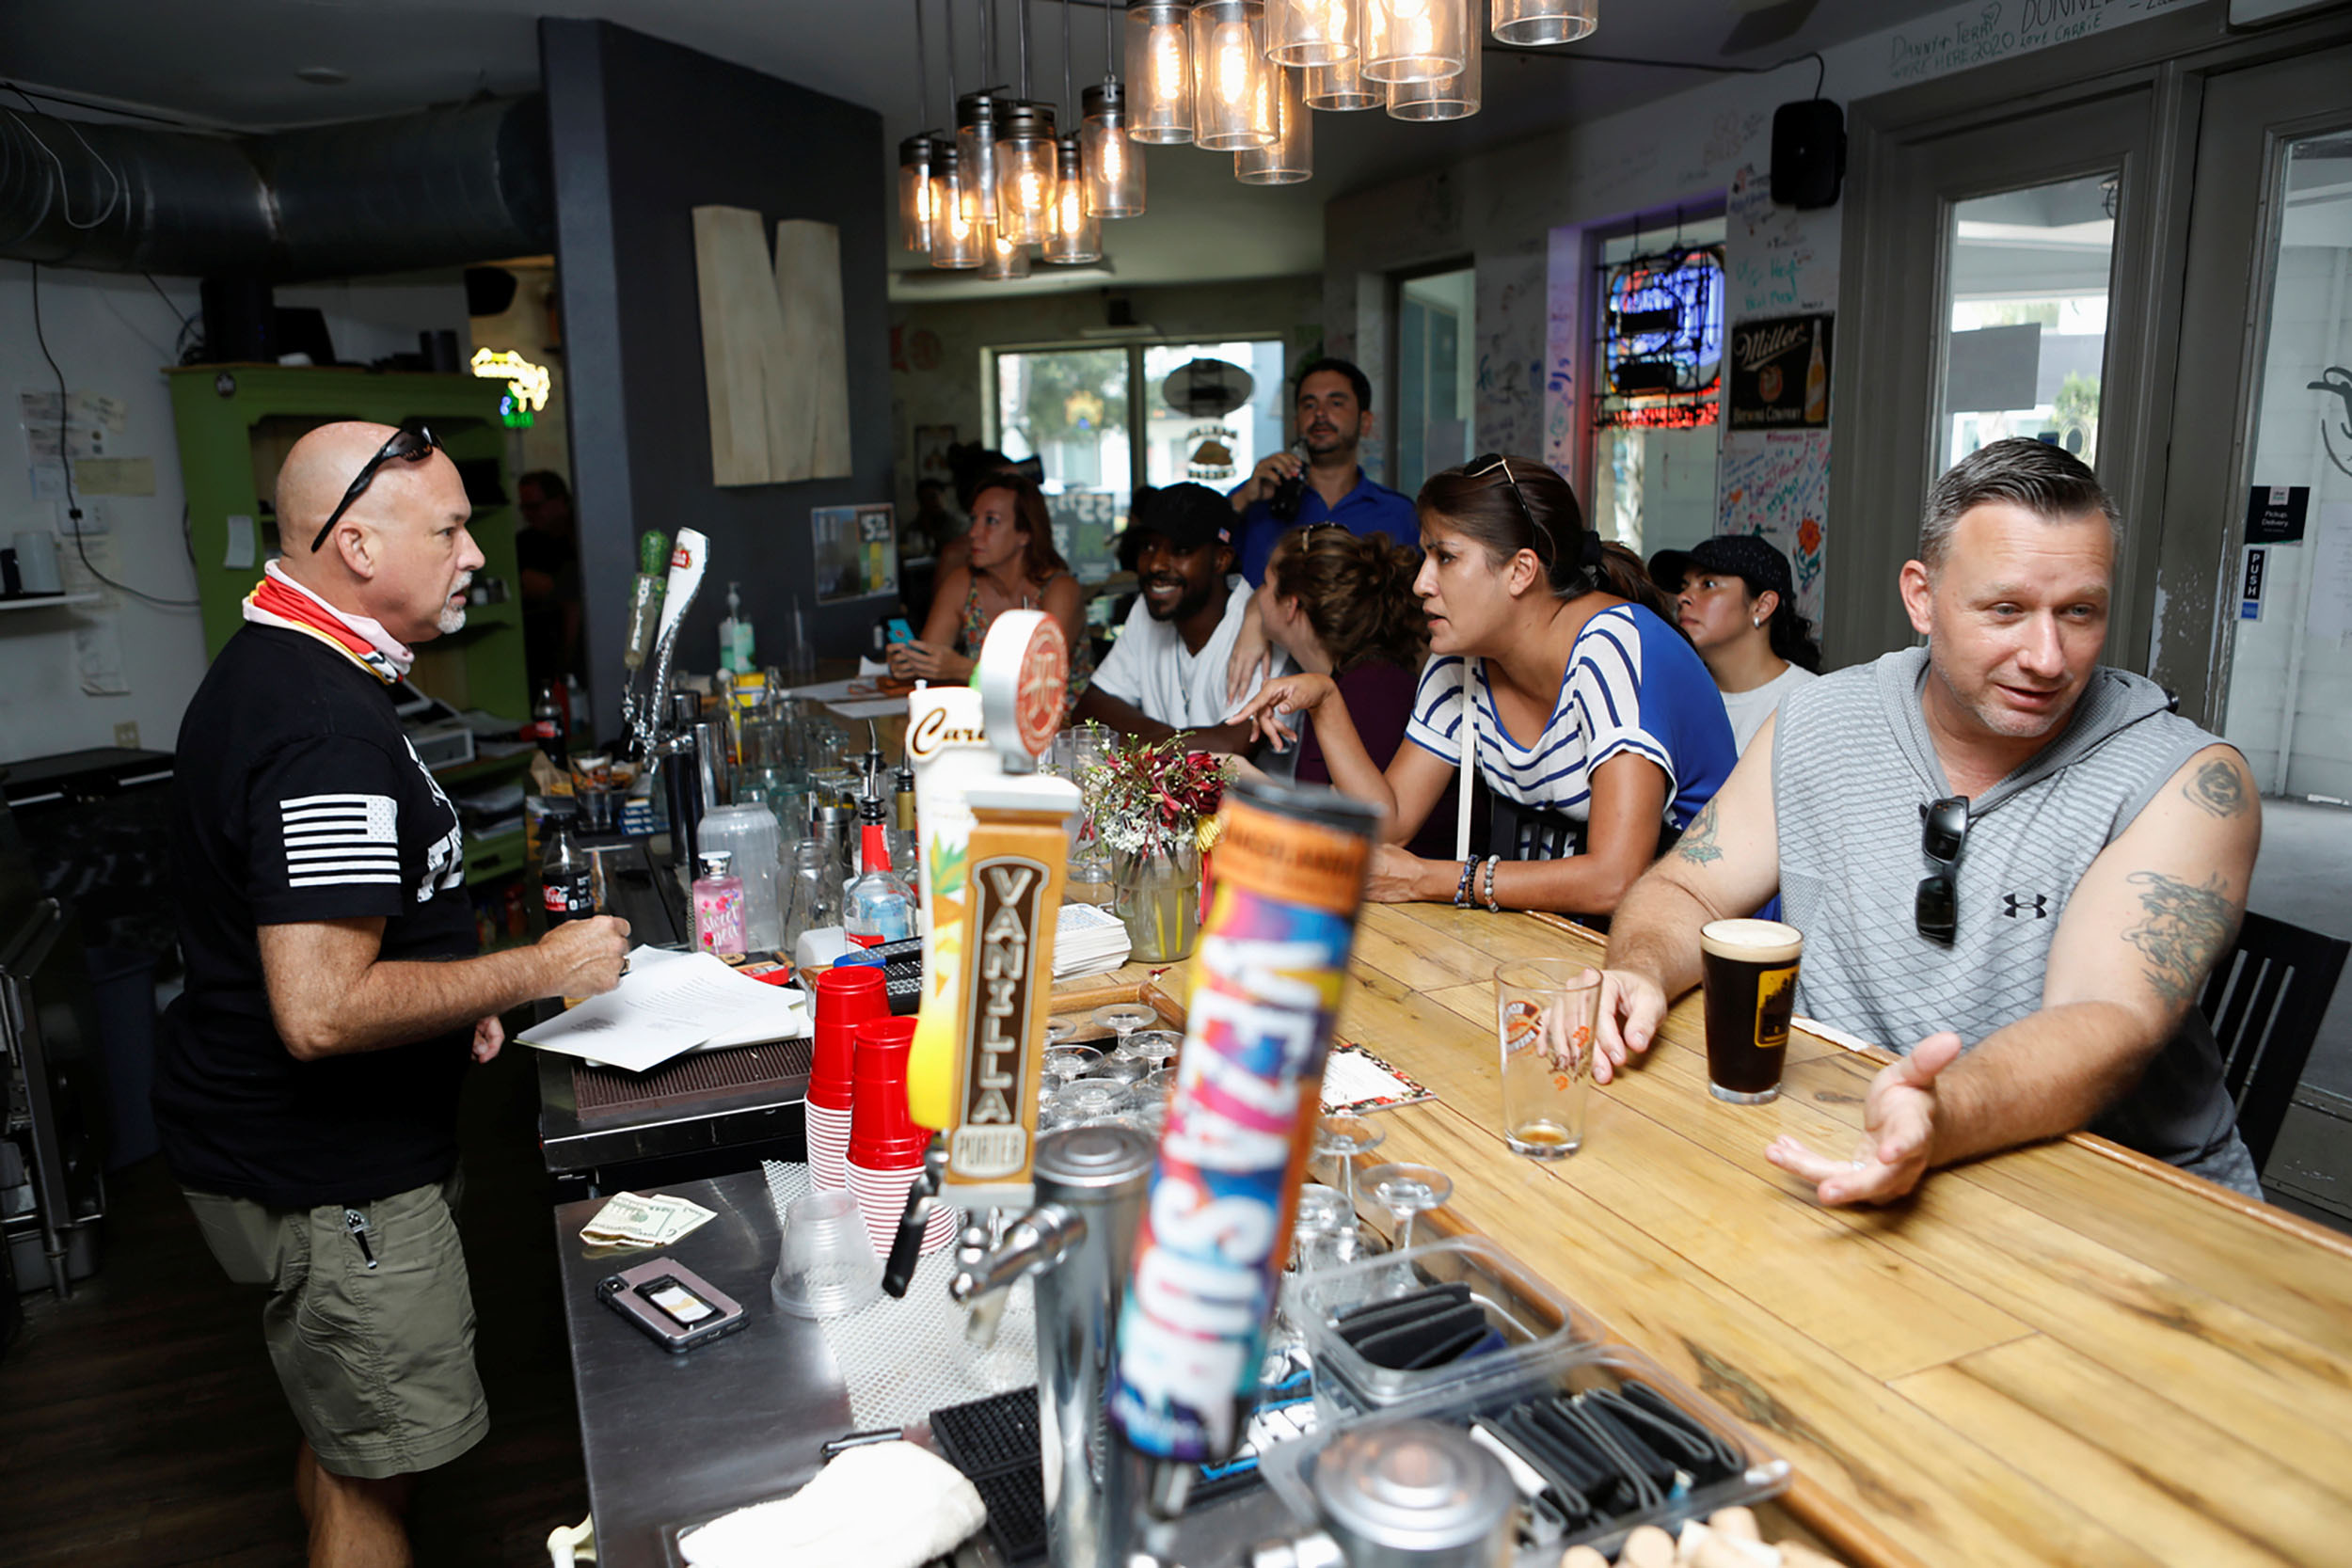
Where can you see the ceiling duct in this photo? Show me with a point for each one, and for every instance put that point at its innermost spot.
(446, 187)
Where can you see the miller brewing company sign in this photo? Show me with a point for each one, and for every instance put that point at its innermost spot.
(1780, 373)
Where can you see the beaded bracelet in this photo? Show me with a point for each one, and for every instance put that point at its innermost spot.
(1462, 889)
(1492, 908)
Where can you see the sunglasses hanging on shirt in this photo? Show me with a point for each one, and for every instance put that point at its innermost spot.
(1944, 830)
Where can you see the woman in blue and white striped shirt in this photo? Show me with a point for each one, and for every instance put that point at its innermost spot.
(1586, 701)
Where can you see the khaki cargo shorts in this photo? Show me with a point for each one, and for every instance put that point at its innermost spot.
(377, 1362)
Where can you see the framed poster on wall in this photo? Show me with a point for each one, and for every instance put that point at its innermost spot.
(1780, 373)
(856, 550)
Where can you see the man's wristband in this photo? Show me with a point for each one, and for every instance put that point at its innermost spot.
(1462, 889)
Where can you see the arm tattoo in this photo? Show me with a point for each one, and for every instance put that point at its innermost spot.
(2219, 788)
(2186, 928)
(1697, 844)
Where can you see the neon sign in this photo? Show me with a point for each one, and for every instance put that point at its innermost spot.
(530, 384)
(1661, 340)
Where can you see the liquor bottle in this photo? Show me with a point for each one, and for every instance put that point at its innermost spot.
(1816, 384)
(878, 907)
(905, 842)
(550, 724)
(718, 906)
(567, 873)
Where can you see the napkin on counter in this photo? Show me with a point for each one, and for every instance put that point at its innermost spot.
(888, 1505)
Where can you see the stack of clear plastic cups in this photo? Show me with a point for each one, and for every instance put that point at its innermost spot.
(749, 833)
(885, 1145)
(846, 997)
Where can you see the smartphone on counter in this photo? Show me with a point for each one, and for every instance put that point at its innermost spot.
(674, 1306)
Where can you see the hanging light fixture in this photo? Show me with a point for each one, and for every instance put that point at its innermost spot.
(1343, 88)
(1114, 165)
(955, 237)
(1076, 233)
(1532, 22)
(1289, 157)
(1314, 32)
(1454, 97)
(1114, 161)
(1228, 58)
(914, 192)
(1025, 172)
(1159, 72)
(1001, 259)
(1413, 41)
(976, 115)
(955, 241)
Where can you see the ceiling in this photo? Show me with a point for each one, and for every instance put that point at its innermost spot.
(235, 63)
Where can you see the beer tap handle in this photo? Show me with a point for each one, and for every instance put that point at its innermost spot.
(1036, 1241)
(906, 1249)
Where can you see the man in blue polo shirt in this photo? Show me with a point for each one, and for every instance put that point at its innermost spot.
(1334, 410)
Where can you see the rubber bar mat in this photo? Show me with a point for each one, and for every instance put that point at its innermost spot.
(607, 1091)
(994, 1442)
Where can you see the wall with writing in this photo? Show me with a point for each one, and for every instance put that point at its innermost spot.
(1710, 143)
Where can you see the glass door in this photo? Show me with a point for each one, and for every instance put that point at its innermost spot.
(1069, 408)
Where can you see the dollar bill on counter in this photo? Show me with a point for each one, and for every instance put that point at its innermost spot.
(630, 1220)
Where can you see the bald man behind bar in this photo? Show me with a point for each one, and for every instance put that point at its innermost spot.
(307, 1081)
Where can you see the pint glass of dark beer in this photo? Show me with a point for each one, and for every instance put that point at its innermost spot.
(1751, 979)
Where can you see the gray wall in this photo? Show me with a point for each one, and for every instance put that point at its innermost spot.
(643, 132)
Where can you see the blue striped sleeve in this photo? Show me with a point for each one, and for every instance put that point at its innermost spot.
(1437, 719)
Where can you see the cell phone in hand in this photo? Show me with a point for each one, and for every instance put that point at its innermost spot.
(898, 631)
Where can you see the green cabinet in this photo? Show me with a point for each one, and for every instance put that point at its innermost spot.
(236, 423)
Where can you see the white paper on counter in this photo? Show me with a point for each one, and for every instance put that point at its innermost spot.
(667, 1005)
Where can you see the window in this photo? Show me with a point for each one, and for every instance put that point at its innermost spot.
(1069, 408)
(1658, 370)
(1076, 411)
(1434, 371)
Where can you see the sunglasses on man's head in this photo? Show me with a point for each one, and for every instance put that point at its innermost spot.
(1935, 907)
(410, 443)
(1478, 467)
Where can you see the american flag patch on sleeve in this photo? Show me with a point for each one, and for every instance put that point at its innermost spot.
(340, 840)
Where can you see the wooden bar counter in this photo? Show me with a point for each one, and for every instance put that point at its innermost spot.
(2061, 1355)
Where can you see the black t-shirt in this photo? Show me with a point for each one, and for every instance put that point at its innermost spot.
(299, 800)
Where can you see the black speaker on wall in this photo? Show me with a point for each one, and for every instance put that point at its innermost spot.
(1808, 152)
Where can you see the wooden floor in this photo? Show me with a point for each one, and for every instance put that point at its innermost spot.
(141, 1425)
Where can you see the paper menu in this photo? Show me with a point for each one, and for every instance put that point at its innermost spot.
(669, 1004)
(1355, 1081)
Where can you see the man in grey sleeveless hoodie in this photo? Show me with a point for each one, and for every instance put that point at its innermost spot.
(2102, 869)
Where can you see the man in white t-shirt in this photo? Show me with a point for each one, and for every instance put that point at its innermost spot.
(1166, 672)
(1737, 603)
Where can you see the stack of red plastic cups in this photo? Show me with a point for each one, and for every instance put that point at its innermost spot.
(885, 1145)
(845, 998)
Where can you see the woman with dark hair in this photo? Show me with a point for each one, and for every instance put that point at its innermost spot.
(1583, 702)
(1013, 565)
(1341, 604)
(1736, 602)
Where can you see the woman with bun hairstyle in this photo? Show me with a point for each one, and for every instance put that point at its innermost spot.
(1341, 604)
(1584, 700)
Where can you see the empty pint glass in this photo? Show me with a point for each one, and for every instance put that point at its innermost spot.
(1545, 1009)
(1751, 978)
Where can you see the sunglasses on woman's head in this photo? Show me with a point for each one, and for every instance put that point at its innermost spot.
(410, 443)
(1478, 467)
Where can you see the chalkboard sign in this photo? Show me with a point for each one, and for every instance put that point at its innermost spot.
(1780, 373)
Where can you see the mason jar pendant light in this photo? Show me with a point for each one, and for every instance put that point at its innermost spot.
(1114, 166)
(1228, 57)
(1289, 157)
(915, 193)
(955, 237)
(1001, 259)
(976, 152)
(1454, 97)
(1076, 234)
(1533, 22)
(1314, 32)
(1025, 173)
(1159, 73)
(1413, 41)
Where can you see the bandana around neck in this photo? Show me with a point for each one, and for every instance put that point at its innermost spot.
(280, 601)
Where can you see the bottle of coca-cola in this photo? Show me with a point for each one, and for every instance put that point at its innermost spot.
(567, 874)
(1290, 494)
(550, 723)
